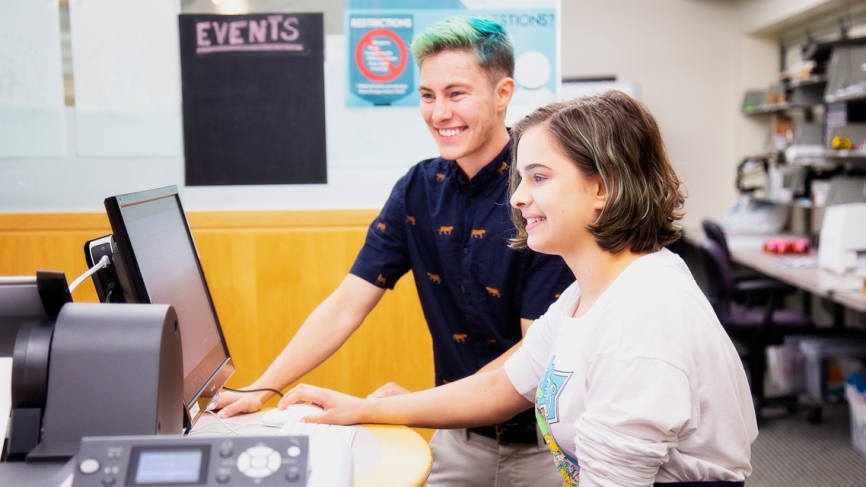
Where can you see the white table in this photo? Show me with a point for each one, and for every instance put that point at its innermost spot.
(384, 455)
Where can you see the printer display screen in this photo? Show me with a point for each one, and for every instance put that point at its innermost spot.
(159, 466)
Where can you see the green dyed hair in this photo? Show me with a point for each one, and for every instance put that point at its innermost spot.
(613, 136)
(484, 37)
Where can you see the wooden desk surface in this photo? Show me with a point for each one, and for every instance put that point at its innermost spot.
(406, 458)
(400, 456)
(843, 289)
(747, 250)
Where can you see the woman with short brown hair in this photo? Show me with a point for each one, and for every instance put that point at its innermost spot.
(633, 379)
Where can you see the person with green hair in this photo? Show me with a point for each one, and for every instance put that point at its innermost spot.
(447, 220)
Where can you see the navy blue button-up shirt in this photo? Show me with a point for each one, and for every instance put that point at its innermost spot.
(452, 233)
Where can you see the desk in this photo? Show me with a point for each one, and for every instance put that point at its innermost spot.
(384, 455)
(841, 289)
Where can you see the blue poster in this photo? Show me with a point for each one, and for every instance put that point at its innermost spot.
(382, 70)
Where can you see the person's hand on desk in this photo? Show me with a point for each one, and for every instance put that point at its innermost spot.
(483, 398)
(340, 409)
(389, 389)
(233, 403)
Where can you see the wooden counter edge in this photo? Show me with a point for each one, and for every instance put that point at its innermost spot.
(198, 220)
(402, 449)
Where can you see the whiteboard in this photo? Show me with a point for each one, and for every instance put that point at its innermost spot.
(32, 120)
(126, 68)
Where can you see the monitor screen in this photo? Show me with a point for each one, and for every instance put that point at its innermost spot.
(160, 265)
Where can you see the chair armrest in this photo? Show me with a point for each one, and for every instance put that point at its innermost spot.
(765, 285)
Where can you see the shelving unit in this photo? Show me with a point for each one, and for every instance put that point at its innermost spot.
(794, 203)
(806, 114)
(848, 97)
(846, 155)
(799, 95)
(812, 80)
(774, 108)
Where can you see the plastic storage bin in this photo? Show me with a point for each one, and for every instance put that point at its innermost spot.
(857, 405)
(820, 353)
(786, 365)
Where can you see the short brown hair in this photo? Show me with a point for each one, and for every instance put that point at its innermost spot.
(615, 136)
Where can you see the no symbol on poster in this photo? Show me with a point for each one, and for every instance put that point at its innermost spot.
(381, 70)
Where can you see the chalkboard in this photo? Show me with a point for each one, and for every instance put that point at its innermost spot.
(253, 99)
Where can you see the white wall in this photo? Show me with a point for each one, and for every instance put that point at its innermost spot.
(368, 150)
(769, 17)
(689, 58)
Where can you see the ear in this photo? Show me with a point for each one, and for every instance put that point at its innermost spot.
(598, 188)
(503, 91)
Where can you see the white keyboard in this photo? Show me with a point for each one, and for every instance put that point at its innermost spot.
(342, 434)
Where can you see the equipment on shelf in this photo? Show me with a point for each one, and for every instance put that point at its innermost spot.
(843, 237)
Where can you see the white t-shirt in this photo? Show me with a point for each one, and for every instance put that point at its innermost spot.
(646, 386)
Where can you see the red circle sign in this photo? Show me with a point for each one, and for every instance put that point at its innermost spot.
(393, 71)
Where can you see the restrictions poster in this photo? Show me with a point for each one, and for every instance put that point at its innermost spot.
(382, 71)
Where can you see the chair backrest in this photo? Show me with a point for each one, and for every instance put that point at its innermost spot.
(716, 234)
(720, 276)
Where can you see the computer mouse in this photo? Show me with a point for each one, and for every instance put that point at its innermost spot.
(278, 417)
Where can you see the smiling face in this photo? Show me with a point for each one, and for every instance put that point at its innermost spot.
(463, 109)
(557, 201)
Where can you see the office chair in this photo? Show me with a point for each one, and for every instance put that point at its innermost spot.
(754, 328)
(751, 286)
(715, 233)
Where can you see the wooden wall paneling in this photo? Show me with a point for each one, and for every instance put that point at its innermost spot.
(38, 241)
(266, 270)
(282, 274)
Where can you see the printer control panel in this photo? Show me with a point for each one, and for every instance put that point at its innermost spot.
(163, 461)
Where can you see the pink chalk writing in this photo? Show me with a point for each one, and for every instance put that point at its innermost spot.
(267, 33)
(250, 48)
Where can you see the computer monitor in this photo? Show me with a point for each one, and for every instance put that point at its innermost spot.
(157, 263)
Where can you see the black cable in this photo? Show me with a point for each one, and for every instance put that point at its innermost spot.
(255, 390)
(108, 294)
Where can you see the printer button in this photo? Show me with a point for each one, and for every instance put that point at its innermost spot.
(89, 466)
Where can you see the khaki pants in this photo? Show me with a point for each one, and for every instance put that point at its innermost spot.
(480, 462)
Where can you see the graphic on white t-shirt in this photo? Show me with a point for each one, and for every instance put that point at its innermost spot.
(547, 412)
(549, 389)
